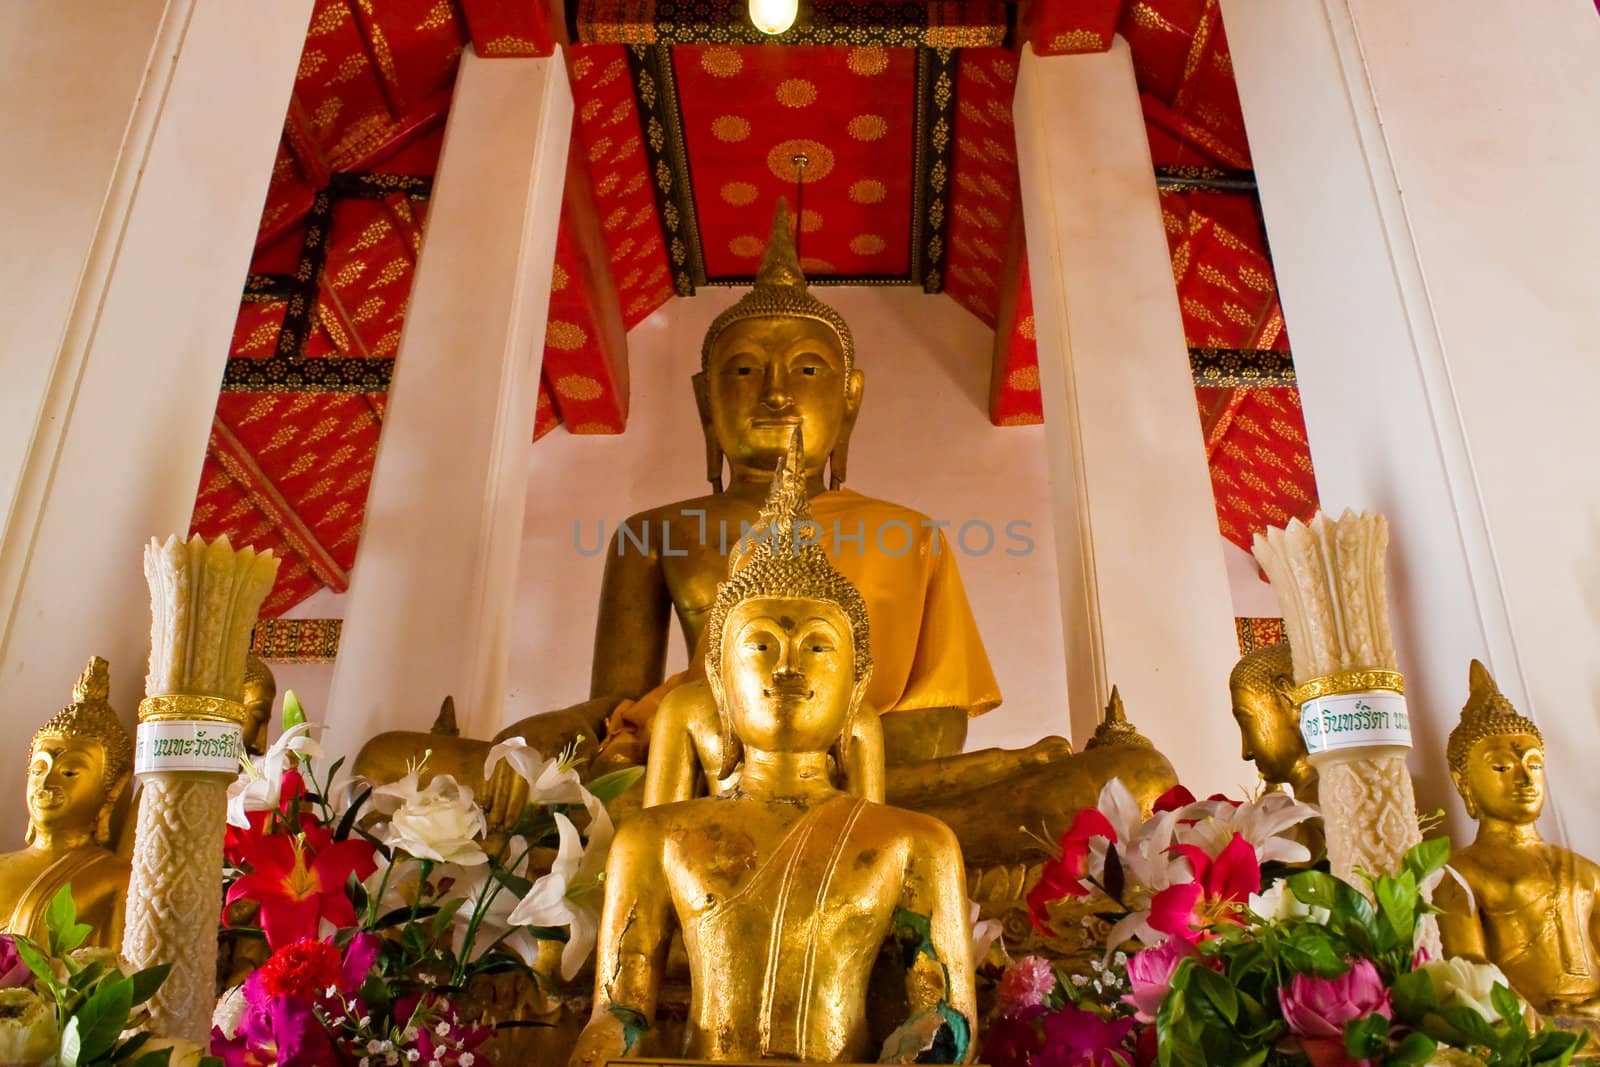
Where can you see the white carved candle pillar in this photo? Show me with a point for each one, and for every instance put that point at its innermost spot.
(1144, 589)
(135, 153)
(1427, 172)
(203, 603)
(431, 595)
(1329, 580)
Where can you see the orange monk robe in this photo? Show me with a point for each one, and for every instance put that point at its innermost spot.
(926, 650)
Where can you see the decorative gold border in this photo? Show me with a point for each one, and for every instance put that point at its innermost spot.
(1226, 368)
(1258, 632)
(190, 707)
(1347, 682)
(655, 92)
(939, 24)
(933, 165)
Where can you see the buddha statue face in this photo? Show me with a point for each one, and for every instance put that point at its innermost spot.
(766, 376)
(66, 785)
(1269, 723)
(260, 690)
(788, 673)
(1504, 779)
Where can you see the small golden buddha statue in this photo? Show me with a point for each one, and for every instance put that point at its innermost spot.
(260, 690)
(785, 887)
(779, 360)
(1531, 909)
(78, 768)
(1269, 721)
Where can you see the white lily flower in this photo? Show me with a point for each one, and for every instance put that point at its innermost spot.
(442, 823)
(481, 891)
(564, 897)
(259, 786)
(552, 781)
(1212, 824)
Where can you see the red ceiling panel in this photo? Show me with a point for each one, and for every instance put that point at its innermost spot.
(748, 110)
(372, 255)
(608, 127)
(1225, 283)
(985, 193)
(1185, 75)
(1261, 473)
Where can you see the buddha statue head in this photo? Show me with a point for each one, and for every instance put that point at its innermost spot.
(1496, 756)
(777, 360)
(787, 653)
(1269, 721)
(260, 690)
(79, 764)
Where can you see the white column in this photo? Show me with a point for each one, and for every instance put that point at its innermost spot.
(1428, 175)
(135, 152)
(1144, 591)
(433, 588)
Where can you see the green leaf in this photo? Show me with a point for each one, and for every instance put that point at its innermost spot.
(147, 981)
(1425, 858)
(1506, 1003)
(125, 1051)
(1366, 1037)
(1413, 996)
(1219, 991)
(447, 912)
(102, 1018)
(1474, 1027)
(1414, 1049)
(37, 961)
(1397, 903)
(61, 920)
(293, 713)
(609, 787)
(1314, 887)
(161, 1057)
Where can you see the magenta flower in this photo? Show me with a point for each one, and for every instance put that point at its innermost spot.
(1316, 1010)
(1150, 975)
(13, 972)
(1025, 985)
(1074, 1037)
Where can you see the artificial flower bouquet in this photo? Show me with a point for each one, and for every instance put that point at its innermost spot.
(384, 907)
(65, 1005)
(1203, 967)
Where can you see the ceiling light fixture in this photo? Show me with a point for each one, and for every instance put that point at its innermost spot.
(773, 16)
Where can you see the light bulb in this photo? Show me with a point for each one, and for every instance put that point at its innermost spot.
(773, 16)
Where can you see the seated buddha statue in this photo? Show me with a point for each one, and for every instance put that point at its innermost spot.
(1269, 721)
(1531, 907)
(777, 360)
(78, 768)
(784, 887)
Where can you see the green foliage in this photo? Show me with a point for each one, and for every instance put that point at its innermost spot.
(94, 1002)
(1223, 1006)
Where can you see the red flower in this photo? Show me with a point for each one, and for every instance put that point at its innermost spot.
(1220, 885)
(299, 882)
(1063, 876)
(1173, 799)
(302, 968)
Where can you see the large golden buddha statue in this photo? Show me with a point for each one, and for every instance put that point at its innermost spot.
(779, 360)
(78, 768)
(785, 887)
(1531, 909)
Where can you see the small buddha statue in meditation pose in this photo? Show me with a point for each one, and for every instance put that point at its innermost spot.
(1269, 721)
(784, 887)
(78, 768)
(1531, 906)
(777, 360)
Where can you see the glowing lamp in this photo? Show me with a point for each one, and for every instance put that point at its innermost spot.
(773, 16)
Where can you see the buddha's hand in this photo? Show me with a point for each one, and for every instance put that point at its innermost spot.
(612, 1034)
(1585, 1008)
(505, 797)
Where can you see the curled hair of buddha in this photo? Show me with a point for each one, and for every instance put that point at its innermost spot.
(257, 673)
(89, 718)
(1486, 714)
(1269, 668)
(780, 292)
(780, 557)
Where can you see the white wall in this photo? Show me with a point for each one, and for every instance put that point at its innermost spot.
(923, 441)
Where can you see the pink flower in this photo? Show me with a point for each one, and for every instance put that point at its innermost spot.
(1025, 985)
(13, 972)
(1074, 1037)
(1220, 887)
(1150, 976)
(1316, 1010)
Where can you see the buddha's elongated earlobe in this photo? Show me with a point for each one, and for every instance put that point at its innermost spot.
(839, 458)
(702, 400)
